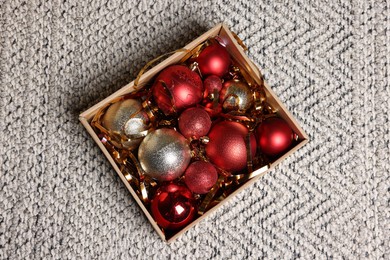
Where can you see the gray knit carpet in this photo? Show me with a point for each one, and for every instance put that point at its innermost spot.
(327, 61)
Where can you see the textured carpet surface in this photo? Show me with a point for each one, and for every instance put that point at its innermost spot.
(327, 60)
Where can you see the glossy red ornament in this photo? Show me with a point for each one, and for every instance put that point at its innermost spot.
(213, 110)
(177, 87)
(200, 177)
(274, 136)
(227, 146)
(173, 206)
(214, 60)
(194, 122)
(212, 83)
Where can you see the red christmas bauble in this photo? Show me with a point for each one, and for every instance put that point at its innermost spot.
(173, 206)
(213, 110)
(214, 60)
(200, 177)
(227, 146)
(212, 83)
(274, 136)
(177, 86)
(194, 122)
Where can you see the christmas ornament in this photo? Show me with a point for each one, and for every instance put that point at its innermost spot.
(213, 109)
(214, 60)
(200, 177)
(274, 136)
(173, 206)
(227, 146)
(236, 96)
(176, 88)
(126, 117)
(164, 154)
(194, 123)
(211, 85)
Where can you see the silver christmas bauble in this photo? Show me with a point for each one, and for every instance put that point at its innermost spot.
(236, 96)
(126, 117)
(164, 154)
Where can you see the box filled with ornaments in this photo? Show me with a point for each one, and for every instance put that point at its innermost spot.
(193, 130)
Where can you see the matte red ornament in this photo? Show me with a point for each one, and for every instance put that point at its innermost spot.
(227, 146)
(214, 60)
(212, 83)
(173, 206)
(194, 122)
(177, 87)
(200, 177)
(274, 136)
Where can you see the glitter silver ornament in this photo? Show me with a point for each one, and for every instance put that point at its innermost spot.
(164, 154)
(126, 117)
(236, 96)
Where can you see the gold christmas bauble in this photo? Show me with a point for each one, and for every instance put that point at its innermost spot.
(236, 95)
(164, 154)
(126, 117)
